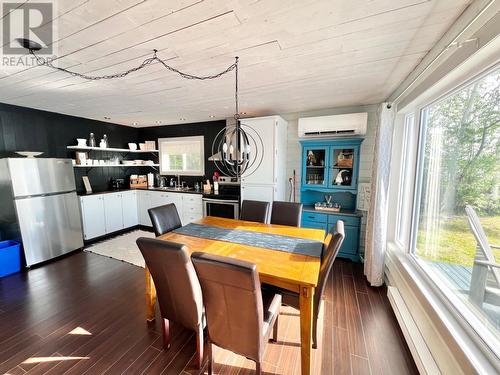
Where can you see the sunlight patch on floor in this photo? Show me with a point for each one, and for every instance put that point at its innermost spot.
(80, 331)
(52, 359)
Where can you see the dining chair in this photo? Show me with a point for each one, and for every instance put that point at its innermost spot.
(485, 277)
(333, 242)
(286, 213)
(177, 288)
(239, 317)
(164, 219)
(257, 211)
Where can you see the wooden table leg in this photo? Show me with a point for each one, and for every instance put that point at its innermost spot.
(306, 317)
(150, 297)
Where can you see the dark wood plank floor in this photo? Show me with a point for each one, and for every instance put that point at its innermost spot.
(84, 314)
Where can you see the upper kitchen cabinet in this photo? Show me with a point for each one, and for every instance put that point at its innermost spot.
(269, 170)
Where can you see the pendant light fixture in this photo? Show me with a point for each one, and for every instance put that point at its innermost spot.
(238, 148)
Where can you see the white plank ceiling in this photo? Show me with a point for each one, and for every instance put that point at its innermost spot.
(295, 55)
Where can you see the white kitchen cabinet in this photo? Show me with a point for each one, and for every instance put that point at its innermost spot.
(258, 192)
(158, 198)
(93, 218)
(110, 212)
(176, 198)
(269, 181)
(143, 205)
(113, 212)
(129, 208)
(192, 208)
(265, 128)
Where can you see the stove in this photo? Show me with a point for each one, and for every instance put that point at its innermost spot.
(226, 201)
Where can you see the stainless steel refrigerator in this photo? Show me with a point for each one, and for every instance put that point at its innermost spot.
(39, 206)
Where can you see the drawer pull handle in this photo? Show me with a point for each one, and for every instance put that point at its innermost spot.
(311, 217)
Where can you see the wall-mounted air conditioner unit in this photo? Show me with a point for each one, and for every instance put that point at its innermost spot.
(348, 125)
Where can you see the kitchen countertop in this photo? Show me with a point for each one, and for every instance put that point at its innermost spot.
(169, 190)
(310, 208)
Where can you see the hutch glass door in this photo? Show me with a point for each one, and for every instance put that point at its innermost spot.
(315, 167)
(342, 164)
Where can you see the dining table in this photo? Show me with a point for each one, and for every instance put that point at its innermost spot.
(293, 271)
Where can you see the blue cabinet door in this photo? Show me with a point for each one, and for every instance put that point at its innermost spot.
(315, 166)
(343, 167)
(350, 246)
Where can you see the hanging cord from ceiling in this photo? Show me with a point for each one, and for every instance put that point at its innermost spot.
(153, 59)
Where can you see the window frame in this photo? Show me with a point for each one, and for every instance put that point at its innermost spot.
(198, 138)
(476, 331)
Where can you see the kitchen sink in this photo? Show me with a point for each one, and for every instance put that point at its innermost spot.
(175, 189)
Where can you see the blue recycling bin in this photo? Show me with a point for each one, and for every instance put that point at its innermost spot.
(10, 257)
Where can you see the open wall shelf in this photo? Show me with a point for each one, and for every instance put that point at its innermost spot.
(86, 148)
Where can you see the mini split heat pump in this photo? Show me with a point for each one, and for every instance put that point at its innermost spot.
(348, 125)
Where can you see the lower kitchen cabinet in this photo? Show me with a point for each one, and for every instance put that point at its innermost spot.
(129, 208)
(143, 205)
(113, 212)
(189, 206)
(110, 212)
(94, 222)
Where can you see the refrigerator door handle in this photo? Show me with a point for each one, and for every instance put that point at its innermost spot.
(44, 195)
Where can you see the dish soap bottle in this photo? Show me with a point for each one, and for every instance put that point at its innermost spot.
(105, 139)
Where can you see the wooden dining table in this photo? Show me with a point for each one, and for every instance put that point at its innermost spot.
(295, 272)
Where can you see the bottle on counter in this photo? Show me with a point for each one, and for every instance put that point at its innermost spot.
(105, 139)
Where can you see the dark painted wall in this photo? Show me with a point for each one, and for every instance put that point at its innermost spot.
(26, 129)
(208, 129)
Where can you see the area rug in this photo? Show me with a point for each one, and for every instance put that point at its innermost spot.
(122, 247)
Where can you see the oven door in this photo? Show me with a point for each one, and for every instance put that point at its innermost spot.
(229, 209)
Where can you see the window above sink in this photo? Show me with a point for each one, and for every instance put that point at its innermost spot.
(182, 156)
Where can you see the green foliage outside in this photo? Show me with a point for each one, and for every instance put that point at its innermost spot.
(461, 167)
(456, 242)
(470, 150)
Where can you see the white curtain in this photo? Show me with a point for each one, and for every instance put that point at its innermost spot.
(376, 230)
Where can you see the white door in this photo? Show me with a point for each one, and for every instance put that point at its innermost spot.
(143, 204)
(258, 192)
(113, 212)
(129, 209)
(265, 128)
(94, 224)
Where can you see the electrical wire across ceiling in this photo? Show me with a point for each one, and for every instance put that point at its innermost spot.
(153, 59)
(239, 148)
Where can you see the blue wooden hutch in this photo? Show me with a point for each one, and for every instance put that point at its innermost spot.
(331, 168)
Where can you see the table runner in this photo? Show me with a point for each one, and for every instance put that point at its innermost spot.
(245, 237)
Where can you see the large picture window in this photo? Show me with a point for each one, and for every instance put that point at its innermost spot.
(457, 224)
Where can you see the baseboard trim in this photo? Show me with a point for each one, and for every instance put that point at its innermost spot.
(420, 351)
